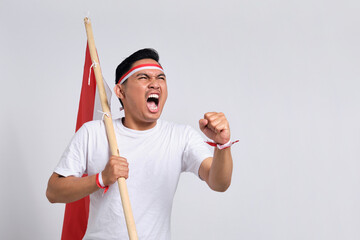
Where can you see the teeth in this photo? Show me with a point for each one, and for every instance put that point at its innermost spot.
(154, 96)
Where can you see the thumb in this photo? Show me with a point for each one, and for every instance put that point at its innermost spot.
(202, 124)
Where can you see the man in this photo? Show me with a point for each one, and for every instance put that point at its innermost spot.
(153, 154)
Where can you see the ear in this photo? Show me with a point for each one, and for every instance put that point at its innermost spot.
(118, 89)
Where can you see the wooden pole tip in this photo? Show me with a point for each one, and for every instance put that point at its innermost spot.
(87, 20)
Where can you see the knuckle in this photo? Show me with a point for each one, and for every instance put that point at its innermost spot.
(208, 114)
(210, 119)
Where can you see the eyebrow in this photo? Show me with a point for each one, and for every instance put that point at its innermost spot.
(161, 75)
(144, 74)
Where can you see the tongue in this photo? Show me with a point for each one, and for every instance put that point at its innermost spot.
(152, 107)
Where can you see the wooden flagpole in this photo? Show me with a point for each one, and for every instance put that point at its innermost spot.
(129, 218)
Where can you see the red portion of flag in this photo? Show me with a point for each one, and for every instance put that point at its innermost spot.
(77, 213)
(87, 96)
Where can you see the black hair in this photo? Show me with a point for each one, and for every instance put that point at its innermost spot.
(126, 65)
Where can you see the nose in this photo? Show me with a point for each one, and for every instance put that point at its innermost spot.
(154, 83)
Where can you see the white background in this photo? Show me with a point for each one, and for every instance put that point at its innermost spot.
(286, 73)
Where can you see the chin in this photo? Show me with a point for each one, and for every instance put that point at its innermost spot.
(153, 117)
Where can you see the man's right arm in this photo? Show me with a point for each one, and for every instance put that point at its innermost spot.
(69, 189)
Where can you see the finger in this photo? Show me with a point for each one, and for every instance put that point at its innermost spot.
(202, 124)
(117, 159)
(216, 119)
(212, 117)
(215, 124)
(122, 171)
(218, 125)
(209, 114)
(123, 174)
(223, 131)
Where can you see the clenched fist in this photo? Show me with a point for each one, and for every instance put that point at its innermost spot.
(116, 167)
(216, 127)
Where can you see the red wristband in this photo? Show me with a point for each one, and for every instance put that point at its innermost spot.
(224, 146)
(99, 185)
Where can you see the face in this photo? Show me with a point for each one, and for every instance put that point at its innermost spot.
(144, 95)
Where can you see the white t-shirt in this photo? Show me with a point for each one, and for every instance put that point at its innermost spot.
(156, 158)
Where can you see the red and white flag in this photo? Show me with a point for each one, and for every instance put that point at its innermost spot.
(77, 213)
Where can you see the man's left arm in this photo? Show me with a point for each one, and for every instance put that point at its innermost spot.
(217, 171)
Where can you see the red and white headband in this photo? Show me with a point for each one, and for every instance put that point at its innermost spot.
(139, 68)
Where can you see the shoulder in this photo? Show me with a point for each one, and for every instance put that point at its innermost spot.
(99, 124)
(94, 124)
(92, 127)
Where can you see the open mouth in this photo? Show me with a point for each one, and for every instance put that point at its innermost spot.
(153, 103)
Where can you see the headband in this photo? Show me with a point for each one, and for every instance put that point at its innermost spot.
(139, 68)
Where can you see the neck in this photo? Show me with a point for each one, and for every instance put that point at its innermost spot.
(139, 126)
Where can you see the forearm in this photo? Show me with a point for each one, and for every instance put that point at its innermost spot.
(221, 170)
(217, 171)
(70, 189)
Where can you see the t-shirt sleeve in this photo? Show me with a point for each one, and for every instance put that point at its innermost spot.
(73, 161)
(196, 151)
